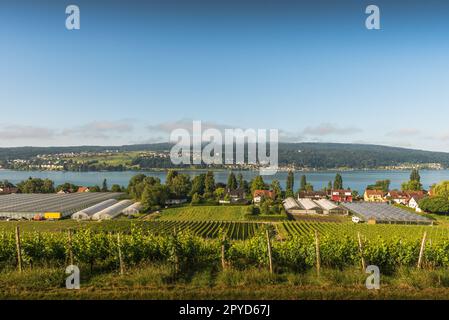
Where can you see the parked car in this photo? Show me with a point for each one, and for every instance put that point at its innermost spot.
(356, 219)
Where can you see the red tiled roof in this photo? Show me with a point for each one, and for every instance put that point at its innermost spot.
(374, 192)
(83, 189)
(264, 193)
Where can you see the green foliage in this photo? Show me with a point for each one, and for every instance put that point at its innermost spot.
(232, 182)
(116, 188)
(338, 182)
(290, 182)
(104, 187)
(383, 185)
(435, 204)
(303, 183)
(258, 184)
(441, 189)
(412, 185)
(36, 185)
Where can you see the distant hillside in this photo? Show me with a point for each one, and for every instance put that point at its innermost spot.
(334, 155)
(311, 155)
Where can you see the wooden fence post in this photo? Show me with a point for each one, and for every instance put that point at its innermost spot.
(19, 249)
(120, 257)
(361, 252)
(421, 251)
(270, 259)
(317, 250)
(223, 260)
(70, 247)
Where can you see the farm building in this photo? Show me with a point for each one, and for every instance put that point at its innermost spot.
(112, 211)
(341, 195)
(309, 206)
(291, 206)
(27, 206)
(384, 213)
(330, 208)
(314, 195)
(87, 213)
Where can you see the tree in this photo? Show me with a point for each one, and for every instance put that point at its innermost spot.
(209, 184)
(36, 185)
(116, 188)
(154, 196)
(258, 184)
(180, 186)
(171, 174)
(136, 186)
(276, 187)
(338, 182)
(383, 185)
(198, 185)
(414, 175)
(240, 181)
(435, 204)
(441, 189)
(412, 185)
(104, 188)
(329, 186)
(232, 182)
(94, 189)
(219, 193)
(196, 199)
(265, 208)
(67, 187)
(309, 187)
(290, 183)
(303, 183)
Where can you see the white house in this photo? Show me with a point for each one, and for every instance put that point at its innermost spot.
(414, 203)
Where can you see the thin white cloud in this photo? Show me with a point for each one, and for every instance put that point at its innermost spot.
(327, 129)
(404, 132)
(187, 124)
(101, 129)
(20, 132)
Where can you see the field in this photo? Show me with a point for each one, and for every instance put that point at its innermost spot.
(386, 231)
(205, 213)
(206, 229)
(156, 282)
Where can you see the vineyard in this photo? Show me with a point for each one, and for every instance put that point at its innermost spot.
(405, 232)
(187, 251)
(206, 229)
(205, 213)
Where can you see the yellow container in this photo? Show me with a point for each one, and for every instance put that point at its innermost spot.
(52, 215)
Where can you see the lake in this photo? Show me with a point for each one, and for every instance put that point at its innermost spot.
(356, 180)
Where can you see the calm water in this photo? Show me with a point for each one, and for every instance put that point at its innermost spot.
(356, 180)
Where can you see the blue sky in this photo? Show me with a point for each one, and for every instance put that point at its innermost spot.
(137, 70)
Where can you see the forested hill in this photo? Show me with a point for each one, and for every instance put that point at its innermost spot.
(334, 155)
(312, 155)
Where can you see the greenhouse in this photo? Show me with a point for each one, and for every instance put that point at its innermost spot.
(26, 206)
(112, 211)
(133, 209)
(384, 213)
(87, 213)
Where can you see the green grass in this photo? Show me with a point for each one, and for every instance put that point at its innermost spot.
(205, 213)
(159, 282)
